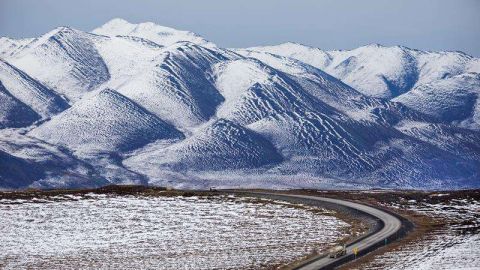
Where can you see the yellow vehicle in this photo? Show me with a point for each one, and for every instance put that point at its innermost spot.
(337, 251)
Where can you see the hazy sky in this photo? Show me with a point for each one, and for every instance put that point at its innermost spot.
(327, 24)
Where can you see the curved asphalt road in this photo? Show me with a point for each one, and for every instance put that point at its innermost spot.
(391, 225)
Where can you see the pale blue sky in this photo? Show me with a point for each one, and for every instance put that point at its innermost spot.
(327, 24)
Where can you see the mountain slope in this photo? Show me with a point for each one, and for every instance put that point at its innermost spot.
(9, 47)
(14, 113)
(125, 57)
(65, 60)
(18, 172)
(253, 91)
(454, 99)
(221, 145)
(176, 86)
(310, 55)
(105, 121)
(27, 90)
(28, 162)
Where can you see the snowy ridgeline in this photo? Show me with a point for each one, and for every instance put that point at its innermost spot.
(147, 104)
(98, 231)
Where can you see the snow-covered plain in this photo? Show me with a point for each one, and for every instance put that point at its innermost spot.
(127, 232)
(456, 246)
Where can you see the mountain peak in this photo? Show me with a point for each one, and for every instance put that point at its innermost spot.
(381, 46)
(118, 21)
(58, 33)
(119, 24)
(161, 35)
(290, 44)
(115, 25)
(61, 30)
(374, 45)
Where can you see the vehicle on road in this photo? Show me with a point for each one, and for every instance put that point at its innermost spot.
(337, 251)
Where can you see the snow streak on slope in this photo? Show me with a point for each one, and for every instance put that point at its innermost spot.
(25, 89)
(159, 34)
(105, 121)
(65, 60)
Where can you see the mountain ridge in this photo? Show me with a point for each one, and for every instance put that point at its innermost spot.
(387, 72)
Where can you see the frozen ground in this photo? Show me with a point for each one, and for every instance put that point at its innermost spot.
(108, 232)
(455, 246)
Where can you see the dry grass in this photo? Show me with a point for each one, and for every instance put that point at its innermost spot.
(111, 190)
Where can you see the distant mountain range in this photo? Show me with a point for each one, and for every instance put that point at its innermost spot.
(147, 104)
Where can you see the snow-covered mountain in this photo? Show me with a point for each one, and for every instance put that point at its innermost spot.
(147, 104)
(392, 72)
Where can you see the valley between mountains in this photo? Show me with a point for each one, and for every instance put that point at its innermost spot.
(146, 104)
